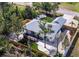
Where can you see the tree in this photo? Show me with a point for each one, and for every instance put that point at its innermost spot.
(34, 13)
(4, 45)
(57, 41)
(37, 5)
(4, 8)
(44, 31)
(10, 16)
(28, 12)
(29, 45)
(55, 8)
(46, 6)
(17, 11)
(43, 5)
(1, 23)
(4, 15)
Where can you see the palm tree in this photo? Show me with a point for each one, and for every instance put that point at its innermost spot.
(57, 41)
(44, 31)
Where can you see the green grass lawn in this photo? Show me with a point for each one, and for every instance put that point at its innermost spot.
(74, 6)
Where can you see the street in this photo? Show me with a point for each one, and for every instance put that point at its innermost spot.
(65, 11)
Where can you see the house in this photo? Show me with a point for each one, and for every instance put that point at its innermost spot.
(56, 27)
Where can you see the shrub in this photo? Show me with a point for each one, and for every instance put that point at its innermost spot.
(58, 55)
(3, 41)
(34, 45)
(47, 19)
(3, 45)
(2, 51)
